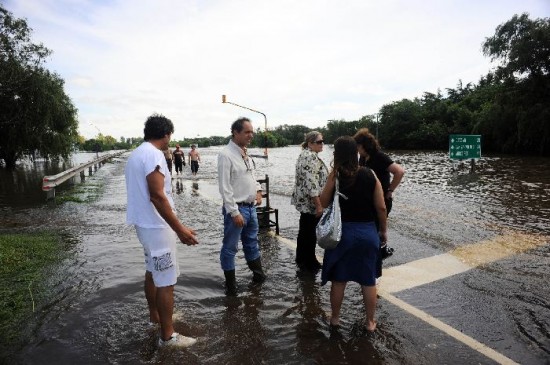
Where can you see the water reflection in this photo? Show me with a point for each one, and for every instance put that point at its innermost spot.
(244, 337)
(311, 329)
(195, 189)
(179, 187)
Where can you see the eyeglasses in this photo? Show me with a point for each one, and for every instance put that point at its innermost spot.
(247, 163)
(319, 142)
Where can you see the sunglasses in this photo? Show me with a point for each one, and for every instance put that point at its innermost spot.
(319, 142)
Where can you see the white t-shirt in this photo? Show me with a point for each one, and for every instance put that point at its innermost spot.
(140, 211)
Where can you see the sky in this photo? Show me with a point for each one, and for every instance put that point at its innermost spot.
(297, 61)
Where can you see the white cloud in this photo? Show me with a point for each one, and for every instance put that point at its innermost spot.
(297, 61)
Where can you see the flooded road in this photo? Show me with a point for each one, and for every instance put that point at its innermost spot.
(97, 311)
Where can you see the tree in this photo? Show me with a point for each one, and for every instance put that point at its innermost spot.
(522, 46)
(291, 134)
(399, 123)
(36, 111)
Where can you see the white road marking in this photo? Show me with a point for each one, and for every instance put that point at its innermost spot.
(421, 272)
(457, 335)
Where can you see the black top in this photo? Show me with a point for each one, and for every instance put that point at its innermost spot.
(359, 207)
(379, 163)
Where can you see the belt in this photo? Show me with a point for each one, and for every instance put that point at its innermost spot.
(245, 204)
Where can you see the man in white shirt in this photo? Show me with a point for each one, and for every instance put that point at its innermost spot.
(240, 193)
(151, 211)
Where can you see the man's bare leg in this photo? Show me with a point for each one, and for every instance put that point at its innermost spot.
(150, 295)
(165, 307)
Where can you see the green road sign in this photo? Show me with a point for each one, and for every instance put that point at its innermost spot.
(464, 146)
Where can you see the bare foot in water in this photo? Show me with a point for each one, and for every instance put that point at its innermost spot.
(371, 326)
(334, 321)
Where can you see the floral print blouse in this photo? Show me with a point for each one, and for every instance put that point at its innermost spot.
(311, 176)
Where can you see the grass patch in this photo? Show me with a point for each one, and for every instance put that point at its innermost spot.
(86, 192)
(26, 263)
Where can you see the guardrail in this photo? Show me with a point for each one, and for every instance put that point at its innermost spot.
(50, 182)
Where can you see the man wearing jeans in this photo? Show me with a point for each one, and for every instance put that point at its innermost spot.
(240, 194)
(151, 211)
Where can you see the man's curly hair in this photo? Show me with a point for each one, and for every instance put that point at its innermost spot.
(156, 127)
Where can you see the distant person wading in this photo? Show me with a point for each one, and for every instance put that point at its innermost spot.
(194, 159)
(179, 159)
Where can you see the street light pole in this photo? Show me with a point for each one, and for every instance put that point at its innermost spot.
(96, 143)
(224, 101)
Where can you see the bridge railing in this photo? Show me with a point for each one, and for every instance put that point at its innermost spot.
(49, 183)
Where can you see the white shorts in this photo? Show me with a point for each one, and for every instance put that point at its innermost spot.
(159, 248)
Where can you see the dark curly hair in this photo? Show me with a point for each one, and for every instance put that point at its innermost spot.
(157, 126)
(345, 161)
(364, 138)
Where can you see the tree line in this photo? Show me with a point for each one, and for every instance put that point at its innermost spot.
(509, 106)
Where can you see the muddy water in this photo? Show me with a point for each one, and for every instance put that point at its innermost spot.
(97, 312)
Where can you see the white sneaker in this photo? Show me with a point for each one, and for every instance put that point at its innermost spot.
(177, 340)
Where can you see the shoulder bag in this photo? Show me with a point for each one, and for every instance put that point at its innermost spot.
(329, 228)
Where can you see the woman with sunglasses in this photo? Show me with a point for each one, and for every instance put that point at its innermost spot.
(311, 175)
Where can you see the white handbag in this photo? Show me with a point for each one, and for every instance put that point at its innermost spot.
(329, 228)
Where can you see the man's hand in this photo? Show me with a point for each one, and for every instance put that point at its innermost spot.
(259, 197)
(188, 236)
(238, 220)
(383, 237)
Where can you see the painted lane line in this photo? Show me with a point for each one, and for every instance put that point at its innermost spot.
(445, 328)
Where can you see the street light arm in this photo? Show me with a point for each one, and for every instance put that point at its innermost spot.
(224, 101)
(244, 107)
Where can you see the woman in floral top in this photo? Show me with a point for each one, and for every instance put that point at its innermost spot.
(311, 175)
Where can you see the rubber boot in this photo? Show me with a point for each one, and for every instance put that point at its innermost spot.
(230, 283)
(256, 268)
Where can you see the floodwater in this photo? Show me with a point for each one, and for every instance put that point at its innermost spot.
(97, 312)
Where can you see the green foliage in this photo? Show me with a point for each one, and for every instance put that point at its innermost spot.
(521, 107)
(399, 122)
(338, 128)
(290, 134)
(522, 46)
(26, 264)
(38, 114)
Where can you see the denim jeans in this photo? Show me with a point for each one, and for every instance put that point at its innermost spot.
(248, 235)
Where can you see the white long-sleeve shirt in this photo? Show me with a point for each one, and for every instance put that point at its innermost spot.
(236, 179)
